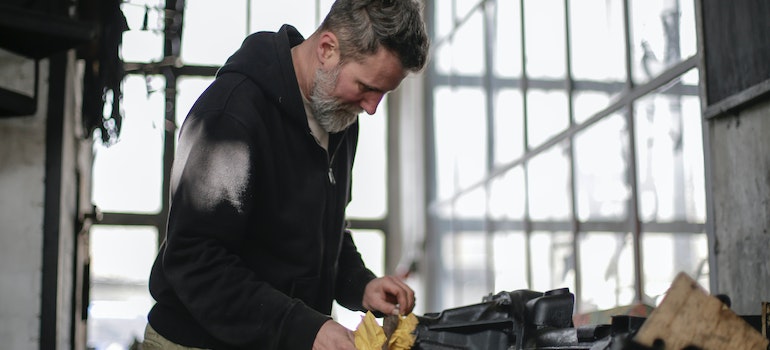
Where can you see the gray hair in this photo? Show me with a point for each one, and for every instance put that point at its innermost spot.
(363, 26)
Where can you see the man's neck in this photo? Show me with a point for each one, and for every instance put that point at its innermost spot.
(305, 64)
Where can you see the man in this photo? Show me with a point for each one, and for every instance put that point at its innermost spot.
(256, 249)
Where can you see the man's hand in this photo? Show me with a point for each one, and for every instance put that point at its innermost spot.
(333, 335)
(389, 295)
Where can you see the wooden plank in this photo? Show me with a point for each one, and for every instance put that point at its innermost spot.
(688, 316)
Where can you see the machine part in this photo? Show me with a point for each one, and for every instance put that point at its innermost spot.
(521, 319)
(529, 320)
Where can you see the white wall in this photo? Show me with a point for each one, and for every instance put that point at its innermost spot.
(22, 170)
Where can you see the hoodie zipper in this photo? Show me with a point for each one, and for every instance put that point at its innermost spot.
(331, 176)
(332, 180)
(330, 159)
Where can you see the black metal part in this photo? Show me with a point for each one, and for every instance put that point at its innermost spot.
(36, 35)
(521, 319)
(529, 320)
(13, 103)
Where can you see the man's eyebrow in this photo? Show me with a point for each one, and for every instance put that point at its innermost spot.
(370, 88)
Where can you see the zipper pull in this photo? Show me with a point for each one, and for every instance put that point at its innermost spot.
(331, 177)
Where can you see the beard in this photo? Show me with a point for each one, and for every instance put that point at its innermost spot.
(332, 114)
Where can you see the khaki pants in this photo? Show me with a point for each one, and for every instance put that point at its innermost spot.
(155, 341)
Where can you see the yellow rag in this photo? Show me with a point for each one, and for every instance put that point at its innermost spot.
(370, 336)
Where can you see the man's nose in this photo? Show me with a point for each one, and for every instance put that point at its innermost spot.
(370, 102)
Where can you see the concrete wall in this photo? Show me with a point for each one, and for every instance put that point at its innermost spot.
(75, 156)
(22, 176)
(39, 164)
(740, 156)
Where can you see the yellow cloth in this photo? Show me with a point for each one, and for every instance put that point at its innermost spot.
(370, 336)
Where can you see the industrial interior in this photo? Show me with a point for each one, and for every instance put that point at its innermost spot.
(599, 147)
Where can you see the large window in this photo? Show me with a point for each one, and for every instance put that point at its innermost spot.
(581, 163)
(168, 65)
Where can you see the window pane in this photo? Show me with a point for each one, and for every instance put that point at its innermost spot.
(600, 170)
(445, 131)
(670, 169)
(463, 7)
(471, 118)
(607, 270)
(446, 268)
(507, 48)
(445, 224)
(464, 251)
(443, 19)
(127, 175)
(471, 205)
(369, 173)
(587, 103)
(692, 156)
(141, 44)
(438, 257)
(549, 190)
(507, 196)
(299, 13)
(662, 34)
(468, 46)
(209, 42)
(547, 115)
(460, 115)
(121, 258)
(552, 261)
(544, 30)
(122, 253)
(442, 59)
(510, 261)
(470, 267)
(667, 254)
(371, 245)
(509, 126)
(597, 41)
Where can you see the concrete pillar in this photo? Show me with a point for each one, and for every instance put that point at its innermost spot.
(44, 186)
(740, 157)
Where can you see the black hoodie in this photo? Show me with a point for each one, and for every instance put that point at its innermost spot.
(256, 249)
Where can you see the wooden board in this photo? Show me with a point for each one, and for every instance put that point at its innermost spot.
(689, 316)
(736, 46)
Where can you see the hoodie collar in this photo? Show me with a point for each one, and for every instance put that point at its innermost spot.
(265, 58)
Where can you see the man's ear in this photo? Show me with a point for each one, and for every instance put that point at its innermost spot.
(328, 50)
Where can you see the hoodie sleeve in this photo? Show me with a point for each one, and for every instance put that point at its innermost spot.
(211, 207)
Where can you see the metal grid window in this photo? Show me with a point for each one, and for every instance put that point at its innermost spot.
(564, 149)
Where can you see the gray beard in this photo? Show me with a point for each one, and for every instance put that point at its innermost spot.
(331, 114)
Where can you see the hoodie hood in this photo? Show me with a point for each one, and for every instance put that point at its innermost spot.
(272, 70)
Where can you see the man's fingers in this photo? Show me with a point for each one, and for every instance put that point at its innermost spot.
(389, 295)
(403, 294)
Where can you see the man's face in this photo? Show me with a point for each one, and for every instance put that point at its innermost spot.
(331, 113)
(340, 93)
